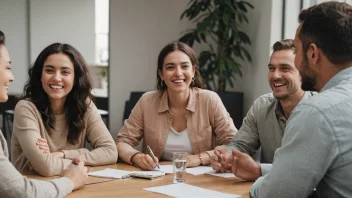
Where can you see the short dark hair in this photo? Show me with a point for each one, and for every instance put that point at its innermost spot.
(329, 26)
(76, 104)
(283, 45)
(2, 38)
(178, 46)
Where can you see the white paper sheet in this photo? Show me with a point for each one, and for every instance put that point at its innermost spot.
(199, 170)
(111, 173)
(167, 169)
(225, 175)
(186, 190)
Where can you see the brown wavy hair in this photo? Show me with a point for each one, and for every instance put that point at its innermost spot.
(178, 46)
(77, 100)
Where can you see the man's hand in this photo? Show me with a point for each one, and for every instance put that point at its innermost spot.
(78, 175)
(221, 161)
(244, 167)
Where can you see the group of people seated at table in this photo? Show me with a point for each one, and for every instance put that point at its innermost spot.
(304, 137)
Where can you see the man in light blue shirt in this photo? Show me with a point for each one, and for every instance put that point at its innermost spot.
(316, 150)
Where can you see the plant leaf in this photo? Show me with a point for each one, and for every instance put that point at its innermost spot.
(244, 37)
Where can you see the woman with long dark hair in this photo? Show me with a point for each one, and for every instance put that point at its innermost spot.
(179, 117)
(56, 116)
(13, 184)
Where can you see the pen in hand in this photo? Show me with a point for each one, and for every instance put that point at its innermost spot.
(153, 156)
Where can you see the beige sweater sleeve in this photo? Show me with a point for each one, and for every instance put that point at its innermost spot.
(26, 129)
(14, 185)
(98, 135)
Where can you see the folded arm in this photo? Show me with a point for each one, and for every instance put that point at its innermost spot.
(27, 132)
(98, 135)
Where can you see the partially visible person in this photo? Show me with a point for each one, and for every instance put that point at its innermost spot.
(316, 151)
(56, 116)
(13, 184)
(179, 117)
(264, 125)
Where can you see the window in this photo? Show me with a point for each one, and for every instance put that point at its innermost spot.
(102, 32)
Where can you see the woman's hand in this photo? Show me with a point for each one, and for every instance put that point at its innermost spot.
(144, 161)
(43, 145)
(193, 160)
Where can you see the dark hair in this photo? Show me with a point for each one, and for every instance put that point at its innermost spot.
(78, 99)
(329, 26)
(2, 38)
(283, 45)
(178, 46)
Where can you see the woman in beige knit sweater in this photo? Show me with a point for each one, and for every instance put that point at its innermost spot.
(13, 184)
(56, 116)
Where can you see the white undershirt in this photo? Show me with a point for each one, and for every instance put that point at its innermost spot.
(176, 142)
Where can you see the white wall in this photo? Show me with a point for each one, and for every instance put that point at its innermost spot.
(31, 25)
(138, 31)
(291, 18)
(13, 22)
(264, 29)
(67, 21)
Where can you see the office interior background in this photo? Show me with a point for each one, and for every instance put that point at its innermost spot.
(121, 39)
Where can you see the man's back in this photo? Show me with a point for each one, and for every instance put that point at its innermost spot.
(335, 106)
(318, 140)
(316, 149)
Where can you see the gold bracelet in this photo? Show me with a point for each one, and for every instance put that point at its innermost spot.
(200, 157)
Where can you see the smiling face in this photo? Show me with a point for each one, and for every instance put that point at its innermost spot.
(5, 73)
(58, 77)
(283, 76)
(177, 72)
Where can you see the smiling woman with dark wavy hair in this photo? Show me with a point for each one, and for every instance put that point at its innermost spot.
(179, 116)
(56, 116)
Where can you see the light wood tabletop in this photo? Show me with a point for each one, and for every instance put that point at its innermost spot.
(133, 187)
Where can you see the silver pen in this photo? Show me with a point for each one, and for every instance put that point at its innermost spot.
(153, 156)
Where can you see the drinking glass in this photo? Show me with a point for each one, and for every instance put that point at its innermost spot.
(179, 165)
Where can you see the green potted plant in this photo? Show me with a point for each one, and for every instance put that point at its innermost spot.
(103, 71)
(218, 24)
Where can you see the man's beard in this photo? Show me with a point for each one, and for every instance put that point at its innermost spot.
(308, 76)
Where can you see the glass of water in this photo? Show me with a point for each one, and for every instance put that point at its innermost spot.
(179, 164)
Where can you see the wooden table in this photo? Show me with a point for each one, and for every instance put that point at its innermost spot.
(133, 187)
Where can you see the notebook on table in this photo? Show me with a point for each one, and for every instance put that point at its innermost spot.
(122, 174)
(147, 174)
(111, 173)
